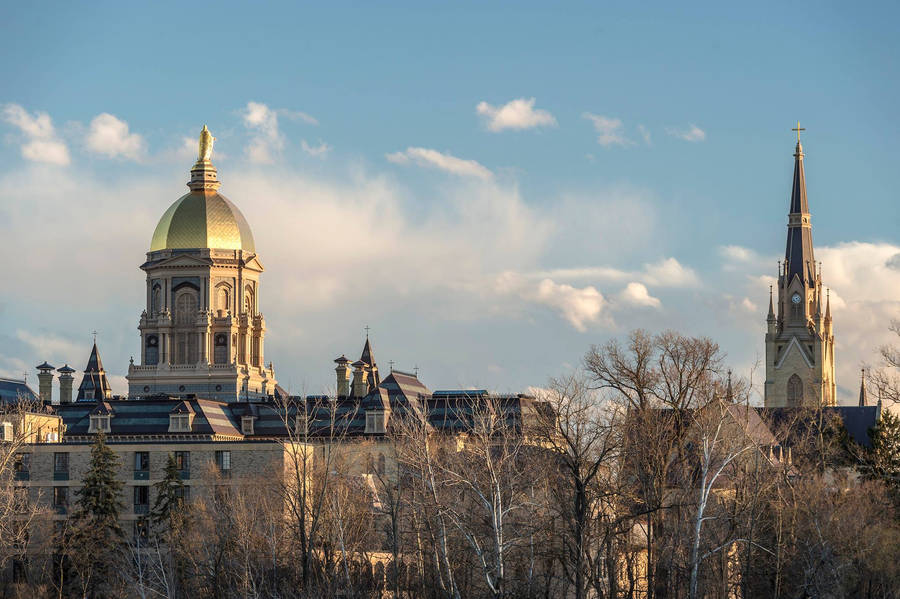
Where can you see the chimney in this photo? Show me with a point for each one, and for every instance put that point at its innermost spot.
(343, 376)
(45, 381)
(65, 384)
(360, 385)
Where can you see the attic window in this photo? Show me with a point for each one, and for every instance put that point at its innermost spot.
(180, 423)
(247, 425)
(99, 423)
(375, 422)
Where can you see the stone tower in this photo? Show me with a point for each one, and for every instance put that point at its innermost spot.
(799, 336)
(202, 331)
(45, 381)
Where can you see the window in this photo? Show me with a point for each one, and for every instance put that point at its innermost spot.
(22, 466)
(61, 499)
(99, 423)
(141, 500)
(20, 499)
(247, 425)
(152, 354)
(223, 462)
(183, 493)
(794, 391)
(183, 463)
(141, 465)
(375, 422)
(220, 351)
(179, 423)
(61, 466)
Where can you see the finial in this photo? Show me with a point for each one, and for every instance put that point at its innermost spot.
(95, 337)
(367, 331)
(416, 370)
(391, 364)
(798, 129)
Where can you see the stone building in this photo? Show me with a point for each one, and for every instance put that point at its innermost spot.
(799, 328)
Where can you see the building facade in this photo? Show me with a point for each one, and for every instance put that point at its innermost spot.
(799, 328)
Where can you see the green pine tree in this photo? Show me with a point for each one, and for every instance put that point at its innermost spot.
(96, 539)
(169, 493)
(882, 461)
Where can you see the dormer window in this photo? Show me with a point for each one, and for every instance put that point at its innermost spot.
(375, 423)
(180, 423)
(99, 423)
(247, 425)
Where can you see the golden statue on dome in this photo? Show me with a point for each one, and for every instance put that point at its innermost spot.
(206, 145)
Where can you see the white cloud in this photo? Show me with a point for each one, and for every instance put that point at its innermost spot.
(737, 253)
(48, 345)
(669, 272)
(645, 134)
(319, 151)
(296, 115)
(109, 136)
(693, 133)
(610, 131)
(445, 162)
(41, 142)
(636, 294)
(267, 141)
(517, 114)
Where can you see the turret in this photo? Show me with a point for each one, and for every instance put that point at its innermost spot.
(65, 384)
(45, 381)
(343, 376)
(771, 321)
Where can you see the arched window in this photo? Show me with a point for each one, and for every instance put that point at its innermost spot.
(152, 354)
(794, 391)
(248, 300)
(220, 353)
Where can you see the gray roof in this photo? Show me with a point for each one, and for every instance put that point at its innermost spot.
(11, 390)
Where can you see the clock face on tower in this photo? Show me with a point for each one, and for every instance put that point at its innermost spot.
(796, 298)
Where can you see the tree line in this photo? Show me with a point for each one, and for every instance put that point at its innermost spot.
(645, 473)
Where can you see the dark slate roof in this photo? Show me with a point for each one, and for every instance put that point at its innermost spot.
(856, 420)
(66, 369)
(45, 366)
(150, 417)
(11, 390)
(94, 384)
(799, 250)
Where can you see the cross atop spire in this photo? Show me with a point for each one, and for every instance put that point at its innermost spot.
(798, 129)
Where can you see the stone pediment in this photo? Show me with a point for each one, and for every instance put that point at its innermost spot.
(178, 261)
(253, 263)
(794, 345)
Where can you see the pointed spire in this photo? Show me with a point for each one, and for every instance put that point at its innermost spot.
(799, 256)
(729, 391)
(828, 305)
(771, 315)
(94, 384)
(863, 394)
(374, 379)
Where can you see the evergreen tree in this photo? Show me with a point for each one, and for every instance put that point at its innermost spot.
(169, 494)
(95, 542)
(882, 461)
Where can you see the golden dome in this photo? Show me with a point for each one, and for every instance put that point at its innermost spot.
(203, 220)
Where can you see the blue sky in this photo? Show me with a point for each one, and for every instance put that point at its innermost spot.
(651, 152)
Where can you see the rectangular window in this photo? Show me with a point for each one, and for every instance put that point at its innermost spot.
(247, 425)
(61, 465)
(183, 493)
(60, 499)
(183, 463)
(142, 460)
(223, 462)
(141, 500)
(22, 467)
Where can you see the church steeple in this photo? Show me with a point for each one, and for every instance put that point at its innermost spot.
(798, 255)
(799, 339)
(863, 394)
(94, 384)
